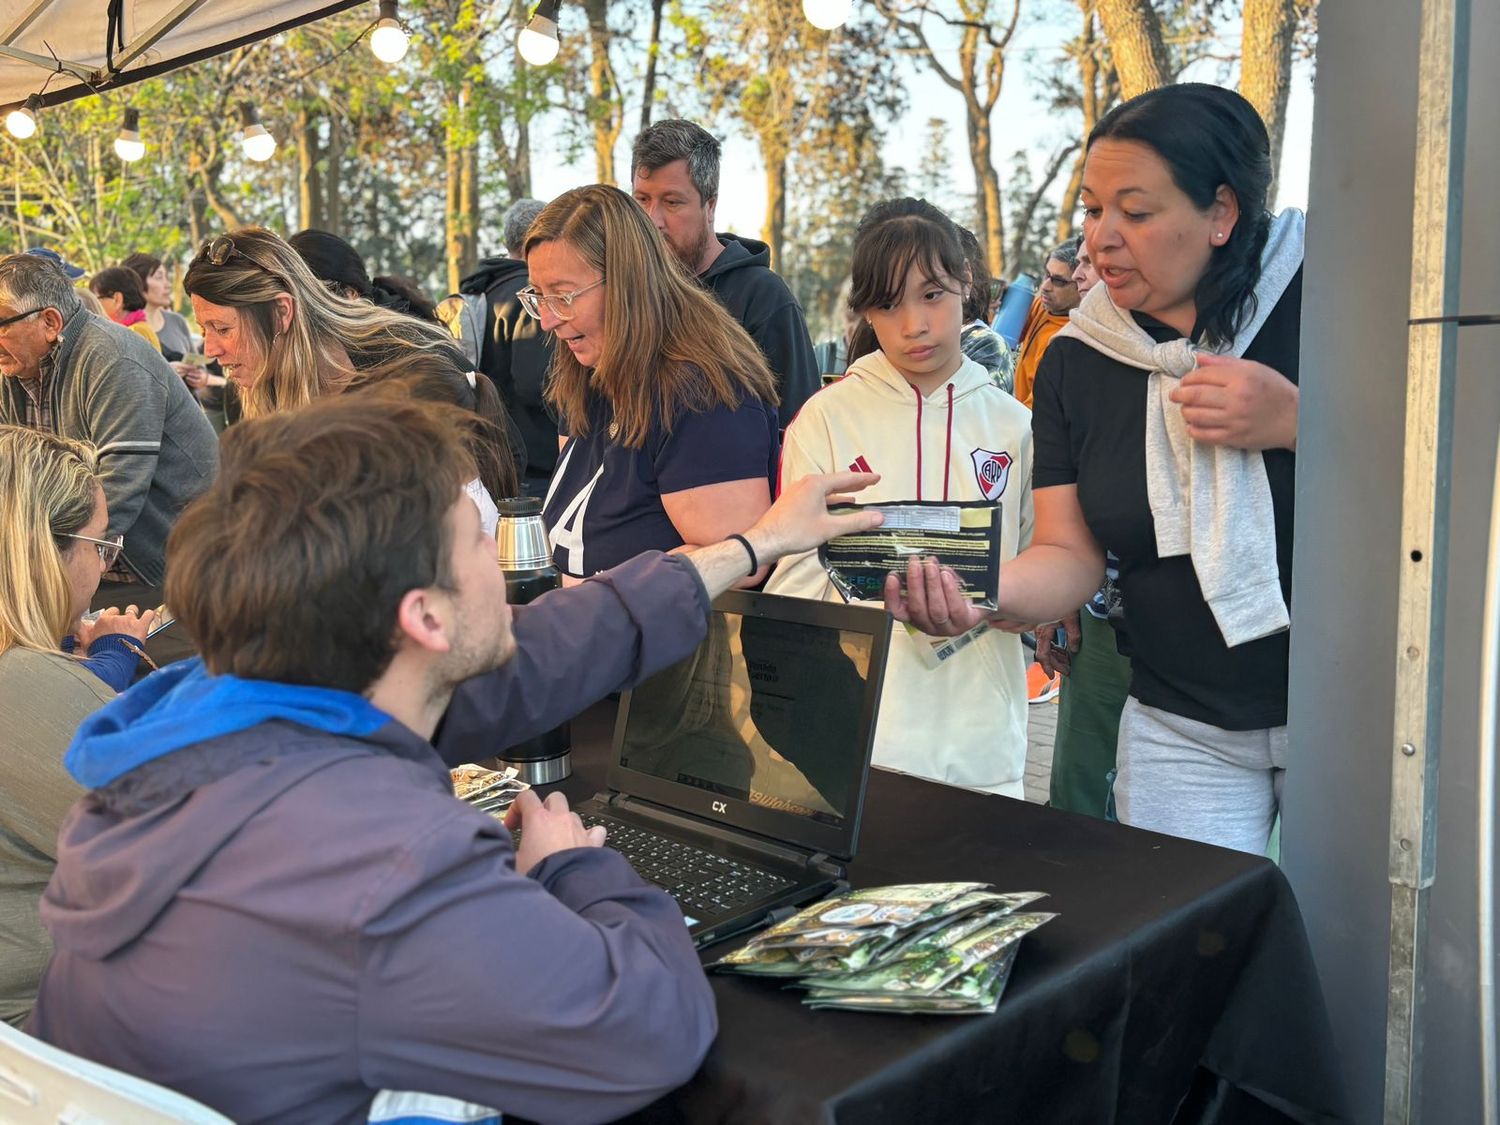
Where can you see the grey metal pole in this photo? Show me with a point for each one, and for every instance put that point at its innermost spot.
(1489, 684)
(1441, 97)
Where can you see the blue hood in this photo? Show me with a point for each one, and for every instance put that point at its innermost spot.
(183, 705)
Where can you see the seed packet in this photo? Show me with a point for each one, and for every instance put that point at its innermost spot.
(764, 962)
(872, 906)
(946, 931)
(964, 536)
(929, 972)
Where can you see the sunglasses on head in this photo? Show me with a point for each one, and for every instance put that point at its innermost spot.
(218, 251)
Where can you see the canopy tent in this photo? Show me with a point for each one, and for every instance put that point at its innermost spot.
(75, 47)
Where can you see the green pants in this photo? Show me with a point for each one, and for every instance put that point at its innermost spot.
(1088, 721)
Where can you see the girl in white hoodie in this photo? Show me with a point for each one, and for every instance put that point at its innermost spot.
(935, 427)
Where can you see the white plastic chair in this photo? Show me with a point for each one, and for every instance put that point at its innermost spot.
(41, 1085)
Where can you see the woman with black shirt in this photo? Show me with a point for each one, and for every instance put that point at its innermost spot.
(1165, 431)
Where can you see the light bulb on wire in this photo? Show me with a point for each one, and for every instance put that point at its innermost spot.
(389, 40)
(827, 14)
(538, 39)
(21, 123)
(128, 145)
(258, 144)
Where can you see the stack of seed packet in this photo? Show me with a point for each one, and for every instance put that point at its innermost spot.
(923, 947)
(491, 791)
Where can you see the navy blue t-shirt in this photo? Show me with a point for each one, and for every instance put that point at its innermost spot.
(604, 504)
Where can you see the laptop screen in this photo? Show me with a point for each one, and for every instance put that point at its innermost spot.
(768, 725)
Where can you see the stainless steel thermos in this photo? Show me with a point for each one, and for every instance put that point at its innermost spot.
(525, 556)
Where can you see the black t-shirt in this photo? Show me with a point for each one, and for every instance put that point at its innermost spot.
(1089, 427)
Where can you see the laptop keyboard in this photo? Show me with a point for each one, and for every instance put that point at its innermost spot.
(703, 883)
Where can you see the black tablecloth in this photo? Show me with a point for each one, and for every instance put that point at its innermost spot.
(1175, 986)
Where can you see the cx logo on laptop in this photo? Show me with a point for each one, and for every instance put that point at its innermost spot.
(720, 807)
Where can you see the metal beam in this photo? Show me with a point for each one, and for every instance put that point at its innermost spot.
(48, 63)
(1442, 79)
(148, 38)
(28, 17)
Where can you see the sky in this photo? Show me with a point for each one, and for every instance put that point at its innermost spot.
(1020, 122)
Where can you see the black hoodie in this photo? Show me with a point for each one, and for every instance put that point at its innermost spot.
(741, 278)
(515, 355)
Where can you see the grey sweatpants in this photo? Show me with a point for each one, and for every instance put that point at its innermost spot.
(1189, 779)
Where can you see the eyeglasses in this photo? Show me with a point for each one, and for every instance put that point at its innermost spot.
(8, 321)
(221, 249)
(559, 305)
(109, 549)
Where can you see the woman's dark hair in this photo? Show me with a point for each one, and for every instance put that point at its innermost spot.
(118, 279)
(334, 261)
(338, 264)
(1209, 138)
(981, 284)
(438, 375)
(142, 265)
(392, 291)
(893, 236)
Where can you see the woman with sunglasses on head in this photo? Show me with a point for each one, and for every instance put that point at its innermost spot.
(283, 338)
(54, 547)
(1166, 431)
(667, 405)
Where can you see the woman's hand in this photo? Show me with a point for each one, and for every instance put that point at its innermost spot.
(130, 622)
(933, 599)
(1238, 403)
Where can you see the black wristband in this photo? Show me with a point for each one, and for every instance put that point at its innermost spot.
(749, 550)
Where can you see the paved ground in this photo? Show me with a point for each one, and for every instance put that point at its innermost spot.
(1040, 728)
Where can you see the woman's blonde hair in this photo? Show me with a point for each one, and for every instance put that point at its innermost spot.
(669, 345)
(48, 486)
(328, 334)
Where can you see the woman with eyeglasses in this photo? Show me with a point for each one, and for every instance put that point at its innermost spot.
(283, 338)
(667, 407)
(53, 550)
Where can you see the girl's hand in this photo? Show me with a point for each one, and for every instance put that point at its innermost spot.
(1238, 403)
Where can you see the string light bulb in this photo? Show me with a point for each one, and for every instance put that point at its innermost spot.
(538, 42)
(21, 123)
(128, 145)
(827, 14)
(258, 144)
(389, 40)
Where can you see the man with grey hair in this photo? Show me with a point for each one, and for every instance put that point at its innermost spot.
(514, 351)
(674, 176)
(1056, 297)
(81, 376)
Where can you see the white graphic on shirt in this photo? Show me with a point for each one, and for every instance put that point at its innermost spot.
(567, 534)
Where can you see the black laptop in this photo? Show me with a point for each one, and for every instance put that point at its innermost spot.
(738, 776)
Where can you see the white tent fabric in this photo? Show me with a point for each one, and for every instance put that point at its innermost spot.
(159, 35)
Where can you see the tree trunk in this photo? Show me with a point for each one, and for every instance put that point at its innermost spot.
(1134, 33)
(333, 177)
(309, 182)
(606, 112)
(774, 231)
(453, 210)
(468, 199)
(653, 49)
(1270, 26)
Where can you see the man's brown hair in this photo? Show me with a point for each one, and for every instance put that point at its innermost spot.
(292, 565)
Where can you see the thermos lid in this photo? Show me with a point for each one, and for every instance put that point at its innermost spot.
(515, 506)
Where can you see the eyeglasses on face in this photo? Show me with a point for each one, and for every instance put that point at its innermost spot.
(559, 305)
(109, 549)
(8, 321)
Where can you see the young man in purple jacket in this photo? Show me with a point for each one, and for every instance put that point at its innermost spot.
(270, 900)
